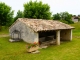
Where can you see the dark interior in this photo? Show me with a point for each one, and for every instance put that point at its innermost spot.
(47, 35)
(18, 37)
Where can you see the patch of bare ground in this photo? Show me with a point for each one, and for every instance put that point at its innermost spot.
(4, 35)
(77, 37)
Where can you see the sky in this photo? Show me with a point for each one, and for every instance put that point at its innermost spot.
(56, 6)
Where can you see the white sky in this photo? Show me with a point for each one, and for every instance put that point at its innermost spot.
(56, 6)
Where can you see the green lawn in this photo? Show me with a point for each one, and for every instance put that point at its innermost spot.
(66, 51)
(4, 30)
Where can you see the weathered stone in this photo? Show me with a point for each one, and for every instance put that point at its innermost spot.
(11, 40)
(35, 52)
(43, 47)
(25, 32)
(47, 43)
(32, 49)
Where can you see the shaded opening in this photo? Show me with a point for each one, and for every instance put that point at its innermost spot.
(47, 37)
(16, 35)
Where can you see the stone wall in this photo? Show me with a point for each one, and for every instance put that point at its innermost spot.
(74, 20)
(27, 34)
(66, 34)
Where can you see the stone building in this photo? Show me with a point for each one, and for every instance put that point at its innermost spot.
(75, 19)
(38, 30)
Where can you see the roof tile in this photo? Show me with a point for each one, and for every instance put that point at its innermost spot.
(44, 25)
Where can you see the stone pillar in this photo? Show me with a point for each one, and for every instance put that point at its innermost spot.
(58, 37)
(36, 39)
(71, 35)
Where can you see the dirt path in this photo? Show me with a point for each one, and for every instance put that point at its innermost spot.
(77, 37)
(4, 35)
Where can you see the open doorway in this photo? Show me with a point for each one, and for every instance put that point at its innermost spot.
(47, 37)
(16, 35)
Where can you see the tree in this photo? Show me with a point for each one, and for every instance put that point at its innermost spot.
(37, 10)
(6, 14)
(64, 17)
(56, 16)
(19, 15)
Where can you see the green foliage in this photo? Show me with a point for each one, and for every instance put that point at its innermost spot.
(0, 28)
(6, 14)
(64, 17)
(37, 10)
(79, 19)
(19, 15)
(67, 17)
(77, 28)
(4, 30)
(64, 21)
(56, 16)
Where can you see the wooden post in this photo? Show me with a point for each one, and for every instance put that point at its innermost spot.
(58, 37)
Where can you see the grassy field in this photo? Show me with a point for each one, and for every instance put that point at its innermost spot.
(66, 51)
(4, 30)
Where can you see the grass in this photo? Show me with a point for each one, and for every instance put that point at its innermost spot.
(76, 31)
(66, 51)
(4, 30)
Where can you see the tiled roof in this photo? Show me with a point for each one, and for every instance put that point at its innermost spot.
(44, 25)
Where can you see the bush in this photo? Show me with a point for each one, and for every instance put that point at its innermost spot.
(67, 22)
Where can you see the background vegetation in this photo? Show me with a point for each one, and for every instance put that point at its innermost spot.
(32, 9)
(6, 15)
(63, 17)
(19, 15)
(37, 10)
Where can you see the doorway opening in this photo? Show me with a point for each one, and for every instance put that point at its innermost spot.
(47, 37)
(16, 35)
